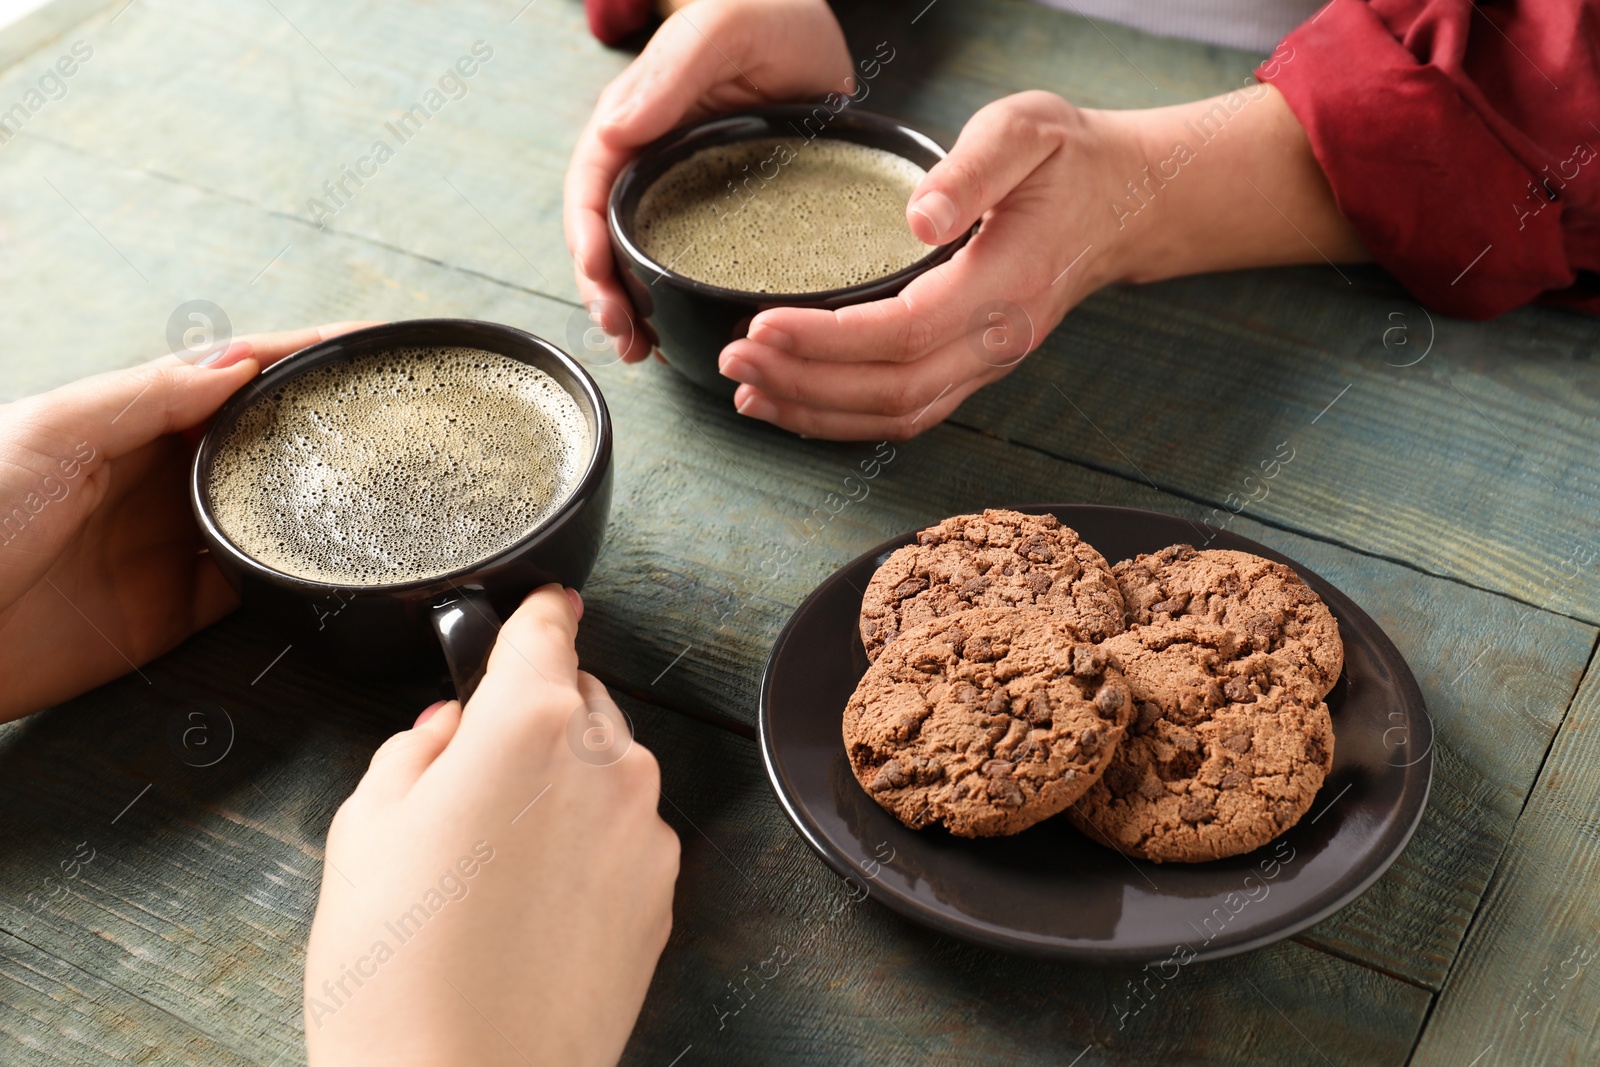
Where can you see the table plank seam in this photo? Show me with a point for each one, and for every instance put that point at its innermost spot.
(935, 988)
(953, 421)
(107, 980)
(1433, 1002)
(749, 734)
(299, 220)
(1276, 524)
(1477, 910)
(1307, 941)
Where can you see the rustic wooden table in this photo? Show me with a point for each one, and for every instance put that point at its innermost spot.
(1444, 475)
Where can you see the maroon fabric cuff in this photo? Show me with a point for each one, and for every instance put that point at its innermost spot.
(1434, 179)
(614, 21)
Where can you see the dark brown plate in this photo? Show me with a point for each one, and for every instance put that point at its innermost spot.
(1052, 892)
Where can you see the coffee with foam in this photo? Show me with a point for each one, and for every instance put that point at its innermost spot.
(398, 466)
(774, 216)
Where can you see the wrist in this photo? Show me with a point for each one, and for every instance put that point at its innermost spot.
(1220, 184)
(1119, 153)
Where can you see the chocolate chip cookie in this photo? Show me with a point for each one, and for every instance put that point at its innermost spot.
(1226, 748)
(985, 721)
(1265, 603)
(1000, 559)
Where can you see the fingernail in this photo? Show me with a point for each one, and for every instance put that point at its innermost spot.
(428, 713)
(227, 357)
(756, 406)
(577, 601)
(940, 211)
(608, 319)
(762, 334)
(740, 371)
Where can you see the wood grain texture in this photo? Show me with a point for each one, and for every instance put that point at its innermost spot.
(54, 1013)
(199, 898)
(1462, 465)
(1524, 988)
(849, 982)
(1474, 463)
(268, 104)
(720, 528)
(179, 166)
(200, 881)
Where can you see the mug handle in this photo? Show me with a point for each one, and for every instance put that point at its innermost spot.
(467, 626)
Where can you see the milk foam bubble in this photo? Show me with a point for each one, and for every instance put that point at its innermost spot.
(398, 466)
(775, 216)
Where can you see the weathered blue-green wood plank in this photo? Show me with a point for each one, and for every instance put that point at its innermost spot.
(191, 886)
(1477, 462)
(199, 897)
(52, 1012)
(714, 541)
(852, 983)
(1411, 469)
(1524, 988)
(687, 566)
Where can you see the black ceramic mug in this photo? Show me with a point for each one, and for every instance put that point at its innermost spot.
(400, 629)
(692, 321)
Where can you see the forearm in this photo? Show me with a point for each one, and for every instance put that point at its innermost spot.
(1222, 187)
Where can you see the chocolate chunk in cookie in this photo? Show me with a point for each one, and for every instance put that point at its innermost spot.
(1226, 750)
(986, 721)
(1262, 602)
(1000, 559)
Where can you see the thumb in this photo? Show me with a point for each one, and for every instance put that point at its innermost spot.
(999, 146)
(115, 413)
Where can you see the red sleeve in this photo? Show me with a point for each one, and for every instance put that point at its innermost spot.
(1460, 141)
(614, 21)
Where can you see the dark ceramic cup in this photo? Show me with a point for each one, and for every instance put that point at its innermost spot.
(692, 321)
(400, 630)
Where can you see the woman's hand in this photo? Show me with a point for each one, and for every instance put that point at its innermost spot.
(1070, 200)
(490, 895)
(100, 564)
(1039, 173)
(714, 56)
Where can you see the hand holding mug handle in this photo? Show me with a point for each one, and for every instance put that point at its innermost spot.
(467, 625)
